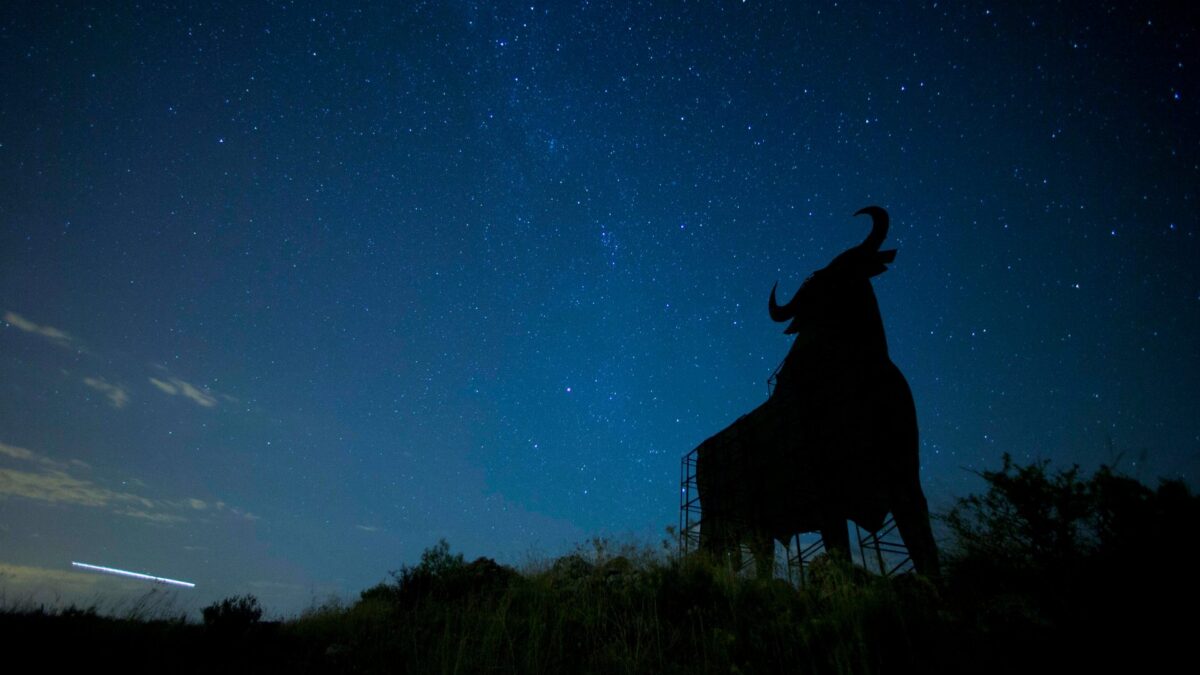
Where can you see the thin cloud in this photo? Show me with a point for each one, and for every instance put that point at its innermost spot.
(19, 453)
(31, 586)
(200, 397)
(160, 518)
(25, 580)
(27, 455)
(165, 387)
(367, 528)
(177, 387)
(49, 481)
(58, 487)
(193, 504)
(43, 575)
(246, 515)
(52, 483)
(56, 335)
(117, 395)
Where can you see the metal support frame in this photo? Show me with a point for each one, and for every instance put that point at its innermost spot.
(689, 505)
(884, 548)
(797, 564)
(691, 514)
(773, 380)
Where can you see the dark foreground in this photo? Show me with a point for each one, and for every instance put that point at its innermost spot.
(1046, 573)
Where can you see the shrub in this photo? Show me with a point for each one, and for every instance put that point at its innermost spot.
(239, 611)
(1048, 557)
(442, 576)
(1035, 520)
(1028, 517)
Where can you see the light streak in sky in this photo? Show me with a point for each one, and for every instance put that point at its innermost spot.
(134, 575)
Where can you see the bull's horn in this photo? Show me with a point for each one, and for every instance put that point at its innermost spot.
(879, 226)
(780, 314)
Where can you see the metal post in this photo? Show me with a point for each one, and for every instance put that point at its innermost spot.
(886, 540)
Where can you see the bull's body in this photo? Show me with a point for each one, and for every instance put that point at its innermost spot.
(837, 440)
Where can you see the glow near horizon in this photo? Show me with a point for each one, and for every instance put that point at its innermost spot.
(134, 575)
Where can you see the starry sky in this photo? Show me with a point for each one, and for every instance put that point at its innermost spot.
(290, 291)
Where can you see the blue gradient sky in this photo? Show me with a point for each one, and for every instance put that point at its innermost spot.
(291, 292)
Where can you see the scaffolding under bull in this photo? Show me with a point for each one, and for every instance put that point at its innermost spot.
(881, 551)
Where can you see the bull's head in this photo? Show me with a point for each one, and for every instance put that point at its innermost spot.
(837, 302)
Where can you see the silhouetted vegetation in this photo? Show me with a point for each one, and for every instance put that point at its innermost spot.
(1046, 560)
(1046, 571)
(442, 577)
(238, 612)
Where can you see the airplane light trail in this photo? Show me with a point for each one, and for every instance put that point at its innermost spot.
(135, 575)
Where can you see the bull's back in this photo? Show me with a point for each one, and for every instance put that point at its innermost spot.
(754, 471)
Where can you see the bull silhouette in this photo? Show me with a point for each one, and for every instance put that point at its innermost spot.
(836, 439)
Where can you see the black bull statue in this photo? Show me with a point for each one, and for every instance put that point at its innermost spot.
(836, 440)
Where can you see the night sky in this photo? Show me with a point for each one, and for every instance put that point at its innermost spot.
(290, 292)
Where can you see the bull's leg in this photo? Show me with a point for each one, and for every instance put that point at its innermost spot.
(836, 537)
(718, 543)
(912, 519)
(763, 546)
(731, 556)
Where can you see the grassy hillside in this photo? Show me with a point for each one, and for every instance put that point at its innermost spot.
(1047, 573)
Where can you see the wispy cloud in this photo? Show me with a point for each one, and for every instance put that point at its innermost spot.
(177, 387)
(117, 395)
(34, 582)
(34, 575)
(153, 517)
(367, 528)
(32, 586)
(18, 453)
(165, 387)
(216, 507)
(59, 487)
(244, 515)
(56, 335)
(27, 455)
(50, 481)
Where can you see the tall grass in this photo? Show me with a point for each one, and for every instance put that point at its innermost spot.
(1047, 573)
(629, 611)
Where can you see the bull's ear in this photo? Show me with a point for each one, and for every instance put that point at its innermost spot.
(877, 262)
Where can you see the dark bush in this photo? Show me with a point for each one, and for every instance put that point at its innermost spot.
(239, 611)
(1036, 522)
(441, 576)
(1049, 560)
